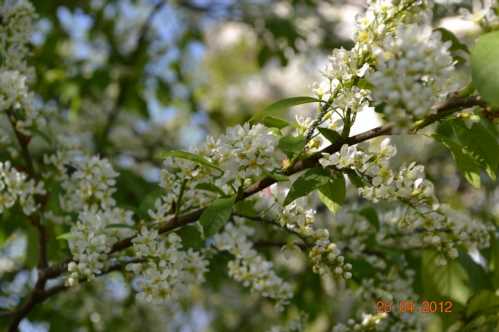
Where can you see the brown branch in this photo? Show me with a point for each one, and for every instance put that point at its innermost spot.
(35, 220)
(39, 294)
(23, 141)
(36, 296)
(449, 107)
(312, 161)
(452, 105)
(455, 103)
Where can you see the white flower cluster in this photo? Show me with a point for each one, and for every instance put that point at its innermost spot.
(344, 88)
(14, 92)
(392, 285)
(413, 72)
(16, 27)
(444, 230)
(88, 185)
(483, 12)
(383, 16)
(430, 224)
(182, 176)
(341, 73)
(351, 232)
(16, 19)
(324, 254)
(408, 184)
(16, 187)
(368, 323)
(87, 181)
(167, 272)
(244, 154)
(248, 267)
(92, 238)
(339, 89)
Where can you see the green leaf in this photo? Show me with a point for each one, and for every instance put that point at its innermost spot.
(280, 105)
(476, 273)
(474, 148)
(484, 302)
(485, 67)
(65, 236)
(216, 215)
(273, 122)
(371, 215)
(481, 144)
(361, 268)
(210, 187)
(331, 135)
(247, 207)
(466, 164)
(311, 180)
(333, 193)
(148, 202)
(191, 236)
(120, 226)
(291, 145)
(444, 282)
(455, 42)
(189, 156)
(355, 178)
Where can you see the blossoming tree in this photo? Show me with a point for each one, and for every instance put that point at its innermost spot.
(274, 225)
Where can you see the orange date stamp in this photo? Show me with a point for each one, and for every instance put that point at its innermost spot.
(407, 306)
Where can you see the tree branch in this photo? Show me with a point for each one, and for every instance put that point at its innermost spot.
(454, 104)
(23, 142)
(35, 220)
(39, 295)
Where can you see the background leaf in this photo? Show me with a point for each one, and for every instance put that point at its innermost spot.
(283, 104)
(292, 145)
(333, 193)
(216, 215)
(309, 181)
(196, 158)
(485, 67)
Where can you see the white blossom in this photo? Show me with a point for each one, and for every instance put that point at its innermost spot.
(325, 256)
(483, 12)
(248, 267)
(244, 153)
(15, 187)
(15, 34)
(87, 181)
(92, 238)
(167, 272)
(414, 71)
